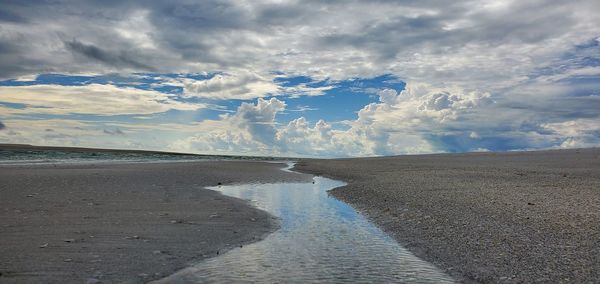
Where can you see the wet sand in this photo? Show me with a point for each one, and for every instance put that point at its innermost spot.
(124, 222)
(484, 217)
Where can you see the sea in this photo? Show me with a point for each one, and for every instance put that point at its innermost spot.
(35, 156)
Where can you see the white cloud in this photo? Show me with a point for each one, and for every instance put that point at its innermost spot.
(304, 90)
(63, 132)
(89, 99)
(421, 119)
(239, 85)
(259, 120)
(250, 130)
(254, 127)
(577, 133)
(137, 29)
(243, 85)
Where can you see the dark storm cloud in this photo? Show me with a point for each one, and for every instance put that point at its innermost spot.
(398, 33)
(14, 63)
(117, 131)
(9, 16)
(121, 59)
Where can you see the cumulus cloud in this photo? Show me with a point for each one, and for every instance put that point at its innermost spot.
(251, 129)
(254, 127)
(259, 120)
(387, 96)
(577, 133)
(419, 119)
(298, 136)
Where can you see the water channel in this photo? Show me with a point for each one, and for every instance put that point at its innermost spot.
(321, 239)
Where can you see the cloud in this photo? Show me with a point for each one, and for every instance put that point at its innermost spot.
(85, 133)
(251, 130)
(2, 126)
(433, 41)
(495, 75)
(65, 132)
(244, 85)
(93, 99)
(240, 86)
(254, 128)
(117, 131)
(302, 108)
(301, 138)
(419, 119)
(387, 96)
(259, 120)
(119, 60)
(579, 133)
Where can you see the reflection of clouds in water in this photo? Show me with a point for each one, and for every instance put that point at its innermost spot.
(296, 204)
(321, 239)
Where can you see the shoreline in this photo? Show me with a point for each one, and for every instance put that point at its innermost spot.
(125, 222)
(483, 217)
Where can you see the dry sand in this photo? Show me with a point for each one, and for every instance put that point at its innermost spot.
(484, 217)
(123, 222)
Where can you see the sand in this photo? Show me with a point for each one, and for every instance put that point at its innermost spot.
(124, 222)
(484, 217)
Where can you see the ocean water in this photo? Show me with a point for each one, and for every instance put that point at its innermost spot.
(57, 156)
(321, 239)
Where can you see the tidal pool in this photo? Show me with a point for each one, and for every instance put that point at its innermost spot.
(321, 239)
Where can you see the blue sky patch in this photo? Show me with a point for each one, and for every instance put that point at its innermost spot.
(341, 102)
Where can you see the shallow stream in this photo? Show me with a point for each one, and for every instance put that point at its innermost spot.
(321, 239)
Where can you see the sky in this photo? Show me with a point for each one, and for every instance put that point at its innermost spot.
(301, 78)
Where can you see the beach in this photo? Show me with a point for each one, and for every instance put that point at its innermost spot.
(124, 222)
(483, 217)
(480, 217)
